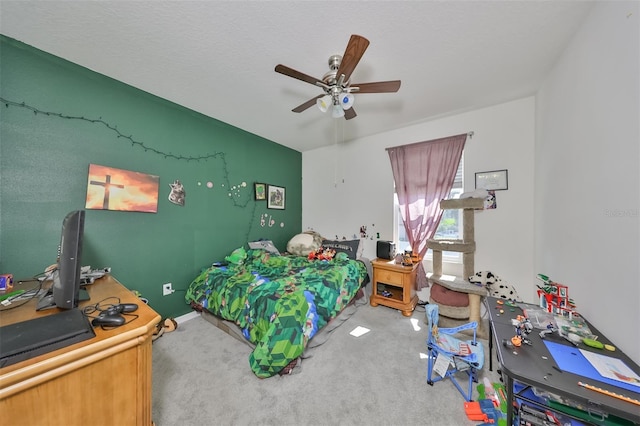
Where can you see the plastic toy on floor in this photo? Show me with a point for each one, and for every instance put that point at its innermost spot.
(484, 411)
(166, 326)
(495, 392)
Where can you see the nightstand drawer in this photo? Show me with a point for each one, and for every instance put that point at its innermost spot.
(389, 277)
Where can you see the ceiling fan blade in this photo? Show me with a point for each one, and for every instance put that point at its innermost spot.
(355, 49)
(311, 102)
(349, 113)
(377, 87)
(283, 69)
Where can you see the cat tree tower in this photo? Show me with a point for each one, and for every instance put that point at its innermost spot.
(453, 292)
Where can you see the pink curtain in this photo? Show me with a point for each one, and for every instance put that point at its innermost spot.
(424, 173)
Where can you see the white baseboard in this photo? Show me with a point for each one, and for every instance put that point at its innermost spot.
(186, 317)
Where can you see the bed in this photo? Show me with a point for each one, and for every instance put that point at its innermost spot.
(278, 302)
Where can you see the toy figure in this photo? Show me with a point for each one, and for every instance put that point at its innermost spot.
(523, 329)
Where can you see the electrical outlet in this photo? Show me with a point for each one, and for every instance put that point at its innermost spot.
(167, 289)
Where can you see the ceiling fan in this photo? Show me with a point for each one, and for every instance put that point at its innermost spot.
(336, 83)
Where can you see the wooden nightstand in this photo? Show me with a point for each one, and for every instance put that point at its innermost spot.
(394, 286)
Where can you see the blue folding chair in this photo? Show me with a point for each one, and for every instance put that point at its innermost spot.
(461, 356)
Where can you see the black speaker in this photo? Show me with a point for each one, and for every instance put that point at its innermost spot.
(386, 250)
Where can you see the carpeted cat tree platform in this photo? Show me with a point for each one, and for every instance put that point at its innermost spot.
(458, 300)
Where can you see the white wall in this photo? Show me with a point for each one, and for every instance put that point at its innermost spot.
(587, 172)
(349, 185)
(586, 159)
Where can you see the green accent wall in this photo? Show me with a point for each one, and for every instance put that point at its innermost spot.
(56, 118)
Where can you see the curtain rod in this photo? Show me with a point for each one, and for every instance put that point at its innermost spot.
(469, 135)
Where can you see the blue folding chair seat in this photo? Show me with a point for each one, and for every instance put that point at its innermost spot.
(465, 357)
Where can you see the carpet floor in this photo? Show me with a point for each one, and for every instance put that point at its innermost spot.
(201, 376)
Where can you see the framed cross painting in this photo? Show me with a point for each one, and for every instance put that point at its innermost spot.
(109, 188)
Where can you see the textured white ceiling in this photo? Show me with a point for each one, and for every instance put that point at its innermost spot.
(218, 57)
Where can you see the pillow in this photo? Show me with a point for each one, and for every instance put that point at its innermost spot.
(350, 247)
(304, 243)
(264, 244)
(447, 297)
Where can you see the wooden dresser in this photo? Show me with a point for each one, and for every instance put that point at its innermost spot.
(105, 380)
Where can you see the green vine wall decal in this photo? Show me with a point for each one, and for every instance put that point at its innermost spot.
(118, 133)
(232, 191)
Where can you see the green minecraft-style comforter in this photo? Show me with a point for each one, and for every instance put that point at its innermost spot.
(278, 301)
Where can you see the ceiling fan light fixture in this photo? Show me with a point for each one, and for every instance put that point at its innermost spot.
(346, 100)
(337, 111)
(324, 103)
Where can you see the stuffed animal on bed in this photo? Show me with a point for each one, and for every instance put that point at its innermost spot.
(304, 243)
(237, 256)
(322, 254)
(495, 286)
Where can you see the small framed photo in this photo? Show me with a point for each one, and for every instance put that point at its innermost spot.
(495, 180)
(260, 190)
(275, 197)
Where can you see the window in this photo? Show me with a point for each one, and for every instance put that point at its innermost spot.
(450, 227)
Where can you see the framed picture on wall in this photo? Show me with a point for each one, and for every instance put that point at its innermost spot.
(495, 180)
(275, 197)
(260, 190)
(109, 188)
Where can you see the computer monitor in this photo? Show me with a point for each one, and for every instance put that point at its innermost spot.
(65, 292)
